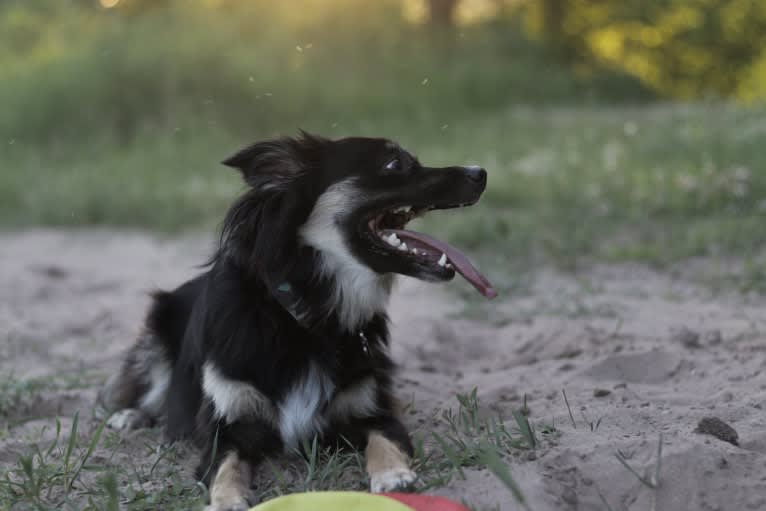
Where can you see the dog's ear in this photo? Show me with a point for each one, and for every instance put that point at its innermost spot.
(269, 164)
(274, 163)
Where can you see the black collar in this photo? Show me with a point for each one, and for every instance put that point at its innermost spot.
(298, 309)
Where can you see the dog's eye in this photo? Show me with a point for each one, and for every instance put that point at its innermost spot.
(394, 164)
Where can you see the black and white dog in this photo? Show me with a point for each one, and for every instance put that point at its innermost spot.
(285, 335)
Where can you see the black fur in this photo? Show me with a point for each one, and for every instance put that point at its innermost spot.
(264, 346)
(238, 316)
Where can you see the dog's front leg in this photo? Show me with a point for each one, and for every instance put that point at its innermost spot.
(231, 484)
(389, 453)
(227, 462)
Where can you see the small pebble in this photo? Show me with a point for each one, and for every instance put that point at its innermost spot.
(719, 429)
(601, 392)
(688, 338)
(570, 353)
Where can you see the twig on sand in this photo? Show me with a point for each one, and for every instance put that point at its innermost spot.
(569, 409)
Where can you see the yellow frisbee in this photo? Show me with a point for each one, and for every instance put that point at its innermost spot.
(332, 501)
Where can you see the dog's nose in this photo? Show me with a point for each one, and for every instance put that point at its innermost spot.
(476, 174)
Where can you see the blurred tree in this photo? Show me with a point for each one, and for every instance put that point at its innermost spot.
(684, 48)
(681, 48)
(441, 12)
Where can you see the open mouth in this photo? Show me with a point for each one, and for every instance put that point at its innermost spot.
(440, 258)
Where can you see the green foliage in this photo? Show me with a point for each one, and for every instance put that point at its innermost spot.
(655, 184)
(119, 117)
(79, 74)
(684, 49)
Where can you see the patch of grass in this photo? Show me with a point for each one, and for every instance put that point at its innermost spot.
(66, 474)
(750, 277)
(753, 278)
(46, 478)
(592, 425)
(14, 392)
(315, 468)
(461, 439)
(567, 186)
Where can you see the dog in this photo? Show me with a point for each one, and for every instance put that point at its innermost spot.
(284, 336)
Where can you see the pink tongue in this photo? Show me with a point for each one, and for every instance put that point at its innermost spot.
(455, 256)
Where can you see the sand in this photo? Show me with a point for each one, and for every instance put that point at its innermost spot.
(641, 354)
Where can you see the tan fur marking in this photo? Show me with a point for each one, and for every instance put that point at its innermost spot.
(231, 485)
(387, 465)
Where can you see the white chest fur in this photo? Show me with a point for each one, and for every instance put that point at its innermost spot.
(300, 412)
(308, 407)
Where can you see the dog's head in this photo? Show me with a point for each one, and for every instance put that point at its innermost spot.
(337, 210)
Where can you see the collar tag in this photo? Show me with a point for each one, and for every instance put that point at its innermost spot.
(365, 343)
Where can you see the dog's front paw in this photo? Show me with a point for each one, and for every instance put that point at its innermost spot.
(238, 504)
(128, 420)
(392, 479)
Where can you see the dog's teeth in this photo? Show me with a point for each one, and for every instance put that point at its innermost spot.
(442, 260)
(403, 247)
(449, 266)
(415, 251)
(403, 209)
(393, 240)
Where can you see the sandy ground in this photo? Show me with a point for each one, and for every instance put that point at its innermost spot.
(639, 353)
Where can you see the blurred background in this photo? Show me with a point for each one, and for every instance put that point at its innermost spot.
(630, 129)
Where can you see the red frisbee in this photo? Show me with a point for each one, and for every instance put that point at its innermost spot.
(426, 502)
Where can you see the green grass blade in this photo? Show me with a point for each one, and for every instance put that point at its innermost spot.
(70, 448)
(499, 468)
(450, 453)
(213, 455)
(91, 447)
(569, 409)
(659, 462)
(642, 479)
(526, 429)
(282, 485)
(55, 441)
